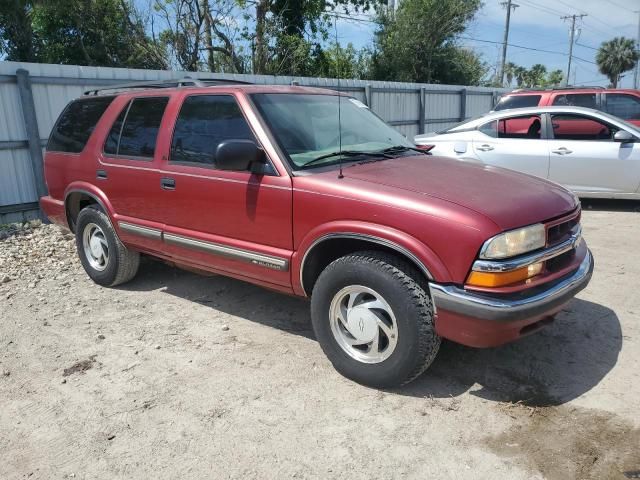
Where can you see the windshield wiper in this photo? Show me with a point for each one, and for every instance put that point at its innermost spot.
(346, 153)
(401, 148)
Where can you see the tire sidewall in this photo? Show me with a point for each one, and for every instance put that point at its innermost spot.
(92, 215)
(408, 313)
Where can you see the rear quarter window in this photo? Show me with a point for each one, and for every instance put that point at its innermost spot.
(76, 124)
(518, 101)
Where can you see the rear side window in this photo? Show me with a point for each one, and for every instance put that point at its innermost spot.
(490, 128)
(587, 100)
(623, 105)
(203, 122)
(518, 101)
(76, 124)
(135, 131)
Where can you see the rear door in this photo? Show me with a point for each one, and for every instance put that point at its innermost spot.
(128, 170)
(585, 158)
(237, 222)
(514, 142)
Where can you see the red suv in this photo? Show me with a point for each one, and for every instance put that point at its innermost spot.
(307, 192)
(624, 104)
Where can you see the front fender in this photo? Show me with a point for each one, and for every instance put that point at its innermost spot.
(409, 246)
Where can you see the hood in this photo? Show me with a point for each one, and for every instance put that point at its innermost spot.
(510, 199)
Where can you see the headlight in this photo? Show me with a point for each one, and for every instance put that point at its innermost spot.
(514, 242)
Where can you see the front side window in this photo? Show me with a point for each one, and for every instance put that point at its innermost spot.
(76, 124)
(518, 101)
(623, 105)
(587, 100)
(135, 131)
(315, 128)
(578, 127)
(526, 127)
(203, 123)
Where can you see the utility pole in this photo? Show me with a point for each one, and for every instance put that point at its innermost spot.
(573, 32)
(509, 5)
(635, 74)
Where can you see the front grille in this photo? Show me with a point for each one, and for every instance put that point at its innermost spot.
(559, 232)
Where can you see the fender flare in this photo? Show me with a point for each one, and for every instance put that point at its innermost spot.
(93, 192)
(417, 252)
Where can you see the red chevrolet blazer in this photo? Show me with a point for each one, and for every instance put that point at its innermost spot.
(305, 191)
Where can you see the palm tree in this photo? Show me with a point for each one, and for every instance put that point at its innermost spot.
(509, 72)
(615, 57)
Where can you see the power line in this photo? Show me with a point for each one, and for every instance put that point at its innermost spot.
(555, 52)
(618, 5)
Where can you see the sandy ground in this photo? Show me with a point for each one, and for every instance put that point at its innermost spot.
(175, 375)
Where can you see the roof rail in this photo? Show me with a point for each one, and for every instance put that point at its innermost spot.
(547, 89)
(183, 82)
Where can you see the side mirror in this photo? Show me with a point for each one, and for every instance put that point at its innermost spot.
(623, 136)
(238, 155)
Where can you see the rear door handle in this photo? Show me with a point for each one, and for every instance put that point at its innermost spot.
(562, 151)
(485, 148)
(167, 183)
(101, 175)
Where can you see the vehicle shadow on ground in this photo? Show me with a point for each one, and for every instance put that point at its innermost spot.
(227, 295)
(606, 205)
(551, 367)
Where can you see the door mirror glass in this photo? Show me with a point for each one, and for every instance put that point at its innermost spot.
(238, 155)
(623, 136)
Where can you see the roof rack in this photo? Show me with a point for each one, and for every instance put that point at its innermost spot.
(183, 82)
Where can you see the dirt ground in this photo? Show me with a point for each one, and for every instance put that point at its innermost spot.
(179, 376)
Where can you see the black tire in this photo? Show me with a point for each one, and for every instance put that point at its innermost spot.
(121, 265)
(405, 292)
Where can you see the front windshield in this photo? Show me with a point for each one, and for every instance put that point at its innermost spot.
(306, 128)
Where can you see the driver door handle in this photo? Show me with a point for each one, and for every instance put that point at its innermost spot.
(485, 148)
(562, 151)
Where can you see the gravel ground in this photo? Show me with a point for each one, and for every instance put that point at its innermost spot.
(176, 375)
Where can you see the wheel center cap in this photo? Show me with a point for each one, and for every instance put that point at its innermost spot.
(362, 324)
(96, 248)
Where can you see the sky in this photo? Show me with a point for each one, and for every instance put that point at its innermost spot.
(537, 24)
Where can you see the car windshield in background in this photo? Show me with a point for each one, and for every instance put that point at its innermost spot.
(306, 127)
(518, 101)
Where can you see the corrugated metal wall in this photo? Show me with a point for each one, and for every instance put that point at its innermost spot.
(53, 86)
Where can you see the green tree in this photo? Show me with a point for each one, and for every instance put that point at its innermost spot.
(17, 41)
(615, 57)
(417, 43)
(79, 32)
(554, 78)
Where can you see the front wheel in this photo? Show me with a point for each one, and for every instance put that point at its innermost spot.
(374, 319)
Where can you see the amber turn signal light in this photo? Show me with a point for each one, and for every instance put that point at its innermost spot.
(500, 279)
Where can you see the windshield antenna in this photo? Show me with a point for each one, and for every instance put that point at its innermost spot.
(335, 26)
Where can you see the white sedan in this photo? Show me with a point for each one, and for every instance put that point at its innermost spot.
(591, 152)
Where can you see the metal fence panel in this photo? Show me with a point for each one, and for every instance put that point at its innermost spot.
(53, 86)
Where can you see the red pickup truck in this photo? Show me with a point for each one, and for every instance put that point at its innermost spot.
(307, 192)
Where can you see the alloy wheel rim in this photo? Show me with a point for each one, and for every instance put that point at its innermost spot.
(363, 324)
(96, 247)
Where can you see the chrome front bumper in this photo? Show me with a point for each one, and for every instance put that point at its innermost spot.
(512, 308)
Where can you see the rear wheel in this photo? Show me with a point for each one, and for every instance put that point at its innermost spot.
(105, 259)
(373, 319)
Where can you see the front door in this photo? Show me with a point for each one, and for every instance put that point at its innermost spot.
(585, 157)
(514, 142)
(237, 222)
